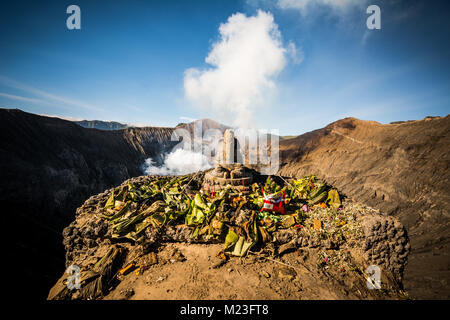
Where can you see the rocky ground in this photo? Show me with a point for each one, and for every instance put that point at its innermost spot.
(294, 275)
(295, 264)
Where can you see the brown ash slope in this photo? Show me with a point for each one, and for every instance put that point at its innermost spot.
(401, 169)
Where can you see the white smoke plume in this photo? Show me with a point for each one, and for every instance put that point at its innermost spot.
(178, 162)
(245, 61)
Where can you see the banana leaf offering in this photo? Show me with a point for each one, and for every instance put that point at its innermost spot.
(229, 215)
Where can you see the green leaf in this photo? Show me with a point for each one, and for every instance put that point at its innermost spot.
(110, 202)
(230, 239)
(333, 199)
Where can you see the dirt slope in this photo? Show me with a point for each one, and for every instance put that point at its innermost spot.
(204, 124)
(401, 169)
(249, 278)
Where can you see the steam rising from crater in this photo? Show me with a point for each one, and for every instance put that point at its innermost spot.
(178, 162)
(245, 60)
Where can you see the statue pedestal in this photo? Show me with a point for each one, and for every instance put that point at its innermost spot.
(235, 175)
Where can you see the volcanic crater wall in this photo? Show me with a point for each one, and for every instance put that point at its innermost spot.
(401, 169)
(48, 168)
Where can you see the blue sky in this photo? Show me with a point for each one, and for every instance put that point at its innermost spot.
(128, 62)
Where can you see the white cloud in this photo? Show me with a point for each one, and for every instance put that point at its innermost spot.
(178, 162)
(49, 98)
(182, 118)
(61, 117)
(304, 6)
(296, 54)
(366, 36)
(245, 61)
(21, 98)
(134, 124)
